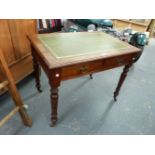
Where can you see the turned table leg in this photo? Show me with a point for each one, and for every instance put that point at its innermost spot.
(121, 80)
(91, 76)
(54, 106)
(54, 81)
(37, 73)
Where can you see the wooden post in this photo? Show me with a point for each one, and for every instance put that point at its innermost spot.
(14, 92)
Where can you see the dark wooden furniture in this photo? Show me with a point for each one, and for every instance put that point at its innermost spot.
(69, 55)
(10, 84)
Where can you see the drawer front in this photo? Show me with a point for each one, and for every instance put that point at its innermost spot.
(94, 66)
(81, 69)
(118, 61)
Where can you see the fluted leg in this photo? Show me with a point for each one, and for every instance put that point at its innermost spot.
(91, 76)
(121, 80)
(54, 105)
(37, 73)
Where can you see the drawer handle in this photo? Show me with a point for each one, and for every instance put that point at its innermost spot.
(120, 61)
(83, 69)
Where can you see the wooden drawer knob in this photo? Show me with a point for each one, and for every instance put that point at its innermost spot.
(83, 69)
(120, 61)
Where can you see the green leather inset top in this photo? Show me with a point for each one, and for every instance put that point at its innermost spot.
(63, 45)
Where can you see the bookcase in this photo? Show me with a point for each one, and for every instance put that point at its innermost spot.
(48, 25)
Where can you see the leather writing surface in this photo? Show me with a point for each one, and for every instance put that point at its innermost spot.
(63, 45)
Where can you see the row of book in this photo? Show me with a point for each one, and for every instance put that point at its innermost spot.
(49, 25)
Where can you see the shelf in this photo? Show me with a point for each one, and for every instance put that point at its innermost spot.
(137, 26)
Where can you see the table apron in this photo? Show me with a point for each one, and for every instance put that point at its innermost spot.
(95, 66)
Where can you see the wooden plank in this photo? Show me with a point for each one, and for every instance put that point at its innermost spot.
(3, 84)
(7, 117)
(13, 91)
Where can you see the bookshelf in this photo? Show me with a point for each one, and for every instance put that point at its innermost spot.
(48, 25)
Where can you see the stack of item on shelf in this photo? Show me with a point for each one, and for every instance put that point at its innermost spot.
(48, 25)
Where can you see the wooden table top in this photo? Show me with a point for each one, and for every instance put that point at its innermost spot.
(61, 49)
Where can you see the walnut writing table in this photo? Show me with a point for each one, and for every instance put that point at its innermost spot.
(69, 55)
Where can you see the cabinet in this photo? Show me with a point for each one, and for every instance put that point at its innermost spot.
(140, 25)
(16, 47)
(151, 28)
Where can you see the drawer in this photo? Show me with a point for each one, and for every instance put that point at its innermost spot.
(81, 69)
(94, 66)
(118, 61)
